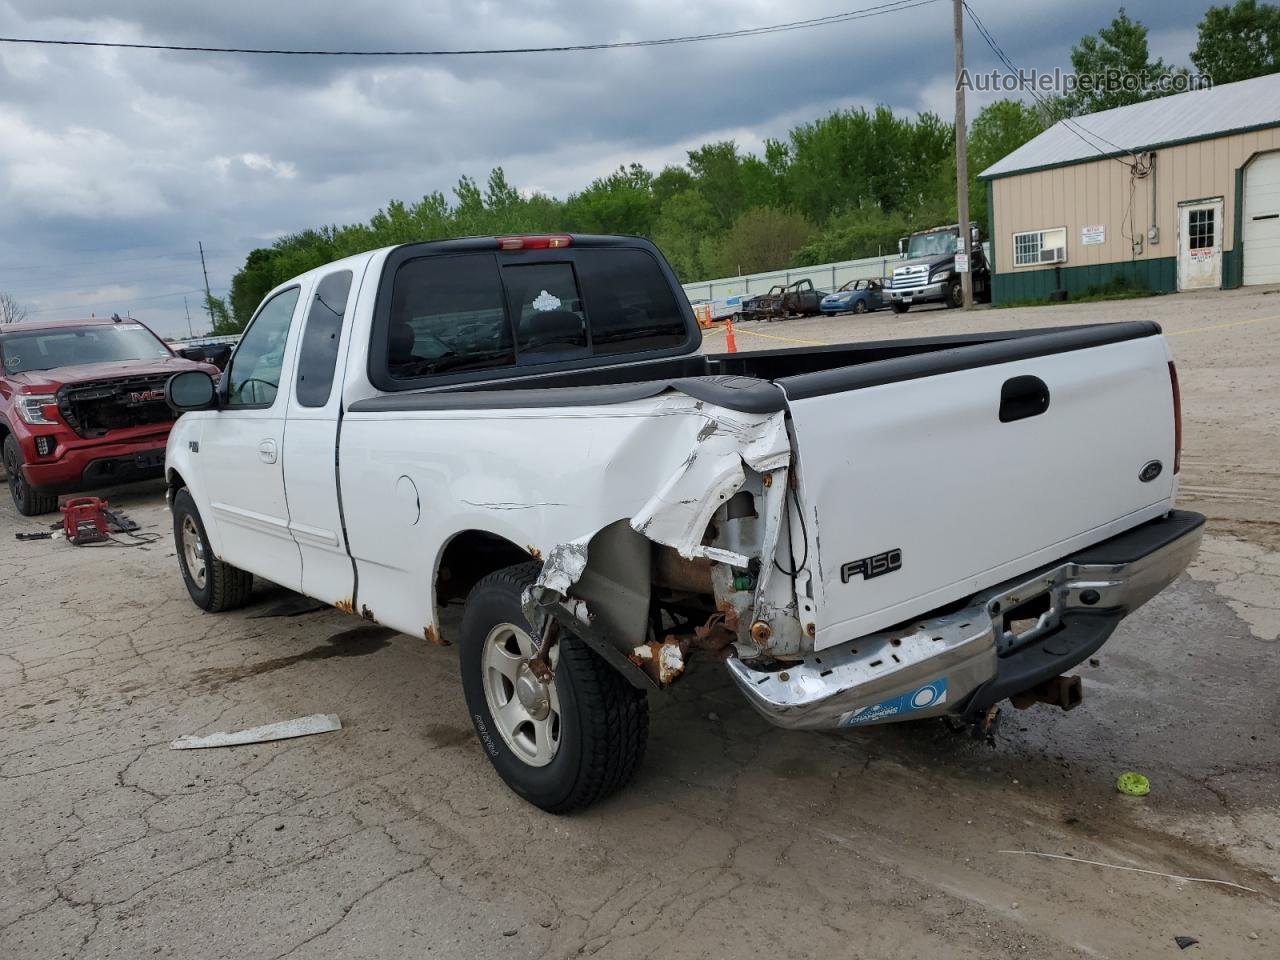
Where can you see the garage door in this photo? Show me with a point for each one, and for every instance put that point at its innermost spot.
(1261, 232)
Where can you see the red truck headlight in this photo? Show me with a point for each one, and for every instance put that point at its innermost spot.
(37, 408)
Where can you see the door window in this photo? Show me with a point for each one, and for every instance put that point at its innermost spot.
(318, 355)
(1202, 228)
(253, 376)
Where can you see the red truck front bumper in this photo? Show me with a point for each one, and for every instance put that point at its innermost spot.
(83, 464)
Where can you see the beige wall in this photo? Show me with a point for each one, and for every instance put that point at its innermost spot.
(1098, 193)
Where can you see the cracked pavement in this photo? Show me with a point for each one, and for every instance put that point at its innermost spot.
(394, 838)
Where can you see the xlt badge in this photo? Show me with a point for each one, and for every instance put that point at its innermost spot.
(875, 566)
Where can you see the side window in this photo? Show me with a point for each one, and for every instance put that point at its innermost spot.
(318, 354)
(253, 377)
(447, 314)
(630, 303)
(546, 309)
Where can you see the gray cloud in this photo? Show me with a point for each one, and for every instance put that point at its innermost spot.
(114, 163)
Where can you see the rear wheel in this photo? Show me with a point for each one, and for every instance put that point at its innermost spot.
(29, 501)
(899, 307)
(561, 745)
(214, 586)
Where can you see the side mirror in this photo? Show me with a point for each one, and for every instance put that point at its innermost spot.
(973, 234)
(902, 248)
(190, 390)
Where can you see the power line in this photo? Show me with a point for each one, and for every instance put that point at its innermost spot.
(847, 16)
(1069, 123)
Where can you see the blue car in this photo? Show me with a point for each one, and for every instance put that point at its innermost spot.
(856, 296)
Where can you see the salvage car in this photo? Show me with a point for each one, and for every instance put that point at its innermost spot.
(856, 296)
(82, 406)
(525, 425)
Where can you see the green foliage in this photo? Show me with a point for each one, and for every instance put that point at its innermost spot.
(844, 186)
(1238, 42)
(223, 324)
(997, 131)
(763, 238)
(1116, 52)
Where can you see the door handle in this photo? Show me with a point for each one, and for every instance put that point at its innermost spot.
(267, 451)
(1023, 397)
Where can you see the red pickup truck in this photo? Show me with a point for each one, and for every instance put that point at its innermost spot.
(82, 405)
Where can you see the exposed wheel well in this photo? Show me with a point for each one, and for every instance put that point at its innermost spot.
(175, 481)
(469, 557)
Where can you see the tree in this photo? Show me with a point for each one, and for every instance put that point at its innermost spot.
(1238, 42)
(764, 238)
(11, 311)
(999, 129)
(1114, 68)
(685, 231)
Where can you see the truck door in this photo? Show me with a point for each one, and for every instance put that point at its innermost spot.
(242, 444)
(311, 442)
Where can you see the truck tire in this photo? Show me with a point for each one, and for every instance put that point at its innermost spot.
(214, 586)
(899, 307)
(954, 296)
(30, 503)
(560, 746)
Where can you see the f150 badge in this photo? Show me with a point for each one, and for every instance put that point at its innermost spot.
(876, 566)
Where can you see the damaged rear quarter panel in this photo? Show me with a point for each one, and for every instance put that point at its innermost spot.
(546, 478)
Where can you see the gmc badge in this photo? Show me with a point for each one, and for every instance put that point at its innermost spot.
(876, 566)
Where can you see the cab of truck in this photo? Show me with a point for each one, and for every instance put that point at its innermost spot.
(928, 272)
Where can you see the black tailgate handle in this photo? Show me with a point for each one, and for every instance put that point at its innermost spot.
(1023, 397)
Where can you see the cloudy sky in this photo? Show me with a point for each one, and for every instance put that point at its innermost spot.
(114, 163)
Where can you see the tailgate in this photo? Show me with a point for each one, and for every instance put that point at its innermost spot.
(950, 478)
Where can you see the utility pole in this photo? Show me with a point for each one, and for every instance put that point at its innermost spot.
(209, 295)
(186, 306)
(962, 157)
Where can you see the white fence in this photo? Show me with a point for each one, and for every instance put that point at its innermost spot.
(825, 276)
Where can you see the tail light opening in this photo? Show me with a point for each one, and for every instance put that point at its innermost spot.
(1177, 418)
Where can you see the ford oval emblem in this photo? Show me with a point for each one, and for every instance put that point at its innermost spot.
(1150, 471)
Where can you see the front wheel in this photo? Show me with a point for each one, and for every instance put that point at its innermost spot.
(860, 306)
(955, 294)
(214, 586)
(29, 501)
(561, 745)
(900, 307)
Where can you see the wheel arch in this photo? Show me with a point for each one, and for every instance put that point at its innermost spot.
(470, 555)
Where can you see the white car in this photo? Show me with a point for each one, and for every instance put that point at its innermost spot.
(861, 533)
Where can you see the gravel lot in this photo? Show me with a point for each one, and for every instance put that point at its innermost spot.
(393, 838)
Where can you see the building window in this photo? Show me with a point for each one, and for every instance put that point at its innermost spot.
(1039, 247)
(1202, 228)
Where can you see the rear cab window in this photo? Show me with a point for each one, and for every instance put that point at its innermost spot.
(476, 313)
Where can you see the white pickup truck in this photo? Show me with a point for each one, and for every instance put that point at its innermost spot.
(525, 425)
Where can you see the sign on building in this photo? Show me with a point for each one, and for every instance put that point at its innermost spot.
(1090, 236)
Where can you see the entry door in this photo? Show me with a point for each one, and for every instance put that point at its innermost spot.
(242, 448)
(1200, 245)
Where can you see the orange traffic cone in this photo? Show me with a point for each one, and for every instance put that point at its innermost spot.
(730, 344)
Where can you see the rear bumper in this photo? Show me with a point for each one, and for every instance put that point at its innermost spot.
(82, 468)
(965, 661)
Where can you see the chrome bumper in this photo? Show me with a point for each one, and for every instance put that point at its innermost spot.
(932, 291)
(1005, 640)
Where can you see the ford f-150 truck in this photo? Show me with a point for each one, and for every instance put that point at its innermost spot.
(82, 405)
(526, 426)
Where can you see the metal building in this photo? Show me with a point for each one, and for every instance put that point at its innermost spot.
(1178, 193)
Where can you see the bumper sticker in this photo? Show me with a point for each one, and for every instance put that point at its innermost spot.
(922, 698)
